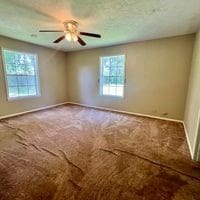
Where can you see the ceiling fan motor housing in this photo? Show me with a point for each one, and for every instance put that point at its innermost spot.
(71, 26)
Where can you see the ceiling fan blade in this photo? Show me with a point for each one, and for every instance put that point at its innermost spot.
(90, 34)
(81, 42)
(59, 39)
(46, 31)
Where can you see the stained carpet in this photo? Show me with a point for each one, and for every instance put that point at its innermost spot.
(76, 153)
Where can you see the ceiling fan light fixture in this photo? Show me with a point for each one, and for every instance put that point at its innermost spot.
(71, 37)
(68, 36)
(71, 33)
(69, 25)
(74, 37)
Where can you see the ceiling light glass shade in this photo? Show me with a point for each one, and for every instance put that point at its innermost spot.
(71, 36)
(70, 26)
(74, 37)
(68, 36)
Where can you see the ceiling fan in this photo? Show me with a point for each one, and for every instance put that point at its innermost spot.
(71, 33)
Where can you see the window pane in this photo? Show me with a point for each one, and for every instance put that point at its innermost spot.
(10, 68)
(113, 80)
(8, 57)
(12, 80)
(106, 89)
(106, 79)
(23, 91)
(13, 91)
(113, 71)
(106, 61)
(22, 80)
(114, 60)
(21, 73)
(106, 70)
(31, 80)
(120, 71)
(112, 90)
(20, 69)
(121, 60)
(30, 70)
(30, 60)
(120, 80)
(32, 90)
(119, 91)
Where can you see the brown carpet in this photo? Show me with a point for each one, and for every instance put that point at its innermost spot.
(72, 152)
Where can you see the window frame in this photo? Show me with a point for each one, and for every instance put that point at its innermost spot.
(38, 94)
(100, 73)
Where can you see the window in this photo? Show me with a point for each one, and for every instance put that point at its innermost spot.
(20, 74)
(112, 75)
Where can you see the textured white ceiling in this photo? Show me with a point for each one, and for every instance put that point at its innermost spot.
(118, 21)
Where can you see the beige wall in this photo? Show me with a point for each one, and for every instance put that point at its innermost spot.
(156, 72)
(192, 111)
(52, 75)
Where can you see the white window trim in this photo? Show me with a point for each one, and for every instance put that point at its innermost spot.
(6, 80)
(100, 72)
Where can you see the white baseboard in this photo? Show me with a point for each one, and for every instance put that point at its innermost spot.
(89, 106)
(188, 141)
(126, 112)
(33, 110)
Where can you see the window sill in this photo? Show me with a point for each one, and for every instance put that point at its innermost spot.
(112, 96)
(23, 97)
